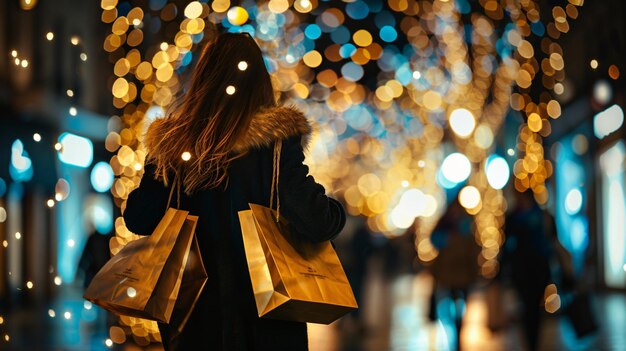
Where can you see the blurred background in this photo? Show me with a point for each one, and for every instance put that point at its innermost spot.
(478, 147)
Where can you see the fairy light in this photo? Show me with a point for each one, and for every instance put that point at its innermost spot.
(73, 111)
(50, 203)
(186, 156)
(37, 137)
(18, 235)
(230, 90)
(242, 65)
(75, 40)
(24, 63)
(70, 92)
(49, 36)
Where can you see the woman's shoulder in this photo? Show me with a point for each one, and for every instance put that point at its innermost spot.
(278, 123)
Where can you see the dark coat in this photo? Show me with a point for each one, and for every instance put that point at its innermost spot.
(225, 317)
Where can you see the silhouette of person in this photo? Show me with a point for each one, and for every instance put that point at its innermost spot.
(95, 254)
(361, 248)
(455, 269)
(526, 256)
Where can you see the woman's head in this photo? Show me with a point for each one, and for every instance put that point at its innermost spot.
(229, 84)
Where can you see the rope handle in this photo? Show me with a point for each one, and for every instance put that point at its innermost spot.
(278, 145)
(176, 184)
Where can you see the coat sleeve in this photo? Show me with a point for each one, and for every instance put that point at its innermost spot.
(303, 201)
(146, 204)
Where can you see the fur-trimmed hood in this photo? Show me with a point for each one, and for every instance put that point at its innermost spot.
(272, 124)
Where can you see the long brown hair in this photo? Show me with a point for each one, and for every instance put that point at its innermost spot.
(211, 117)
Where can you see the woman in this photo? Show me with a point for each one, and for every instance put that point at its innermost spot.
(228, 122)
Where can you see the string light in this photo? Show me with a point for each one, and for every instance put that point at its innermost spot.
(230, 90)
(37, 137)
(49, 36)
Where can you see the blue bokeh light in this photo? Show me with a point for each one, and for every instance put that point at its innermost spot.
(388, 34)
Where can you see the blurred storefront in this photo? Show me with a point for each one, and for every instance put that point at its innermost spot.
(51, 139)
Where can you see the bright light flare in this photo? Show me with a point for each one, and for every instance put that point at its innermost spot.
(462, 122)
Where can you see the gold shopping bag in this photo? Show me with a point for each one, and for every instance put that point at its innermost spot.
(146, 278)
(292, 279)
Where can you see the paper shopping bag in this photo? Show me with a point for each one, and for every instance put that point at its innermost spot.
(292, 279)
(144, 279)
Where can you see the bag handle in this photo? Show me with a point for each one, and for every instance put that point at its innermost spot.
(175, 184)
(278, 145)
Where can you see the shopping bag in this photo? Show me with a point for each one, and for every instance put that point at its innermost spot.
(292, 279)
(144, 279)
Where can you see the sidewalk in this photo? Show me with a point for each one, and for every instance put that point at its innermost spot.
(395, 318)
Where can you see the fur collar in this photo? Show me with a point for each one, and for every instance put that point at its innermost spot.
(272, 124)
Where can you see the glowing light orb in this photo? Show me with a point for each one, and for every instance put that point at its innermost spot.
(75, 150)
(102, 177)
(602, 92)
(462, 122)
(498, 171)
(469, 197)
(573, 202)
(456, 167)
(237, 15)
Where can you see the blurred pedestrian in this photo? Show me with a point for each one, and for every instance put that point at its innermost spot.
(526, 258)
(94, 256)
(455, 269)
